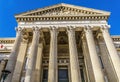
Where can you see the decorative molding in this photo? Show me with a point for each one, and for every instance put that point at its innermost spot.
(7, 41)
(62, 12)
(60, 18)
(62, 24)
(62, 8)
(115, 38)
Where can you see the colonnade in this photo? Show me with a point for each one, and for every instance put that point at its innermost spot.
(95, 71)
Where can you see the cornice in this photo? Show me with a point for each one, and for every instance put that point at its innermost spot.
(61, 18)
(115, 37)
(7, 40)
(5, 51)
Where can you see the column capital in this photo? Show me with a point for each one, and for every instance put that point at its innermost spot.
(18, 29)
(54, 29)
(36, 29)
(104, 28)
(70, 29)
(87, 28)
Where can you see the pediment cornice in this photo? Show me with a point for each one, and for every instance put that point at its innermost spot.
(61, 11)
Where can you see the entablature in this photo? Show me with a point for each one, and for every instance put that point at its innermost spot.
(7, 40)
(61, 18)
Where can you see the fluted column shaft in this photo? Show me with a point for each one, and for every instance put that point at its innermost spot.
(14, 53)
(112, 51)
(87, 60)
(97, 71)
(32, 55)
(74, 63)
(52, 71)
(108, 67)
(20, 62)
(38, 67)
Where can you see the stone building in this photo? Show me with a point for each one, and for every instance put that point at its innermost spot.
(61, 43)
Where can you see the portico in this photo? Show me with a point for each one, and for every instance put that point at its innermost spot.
(63, 39)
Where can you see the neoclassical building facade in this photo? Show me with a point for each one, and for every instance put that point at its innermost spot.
(61, 43)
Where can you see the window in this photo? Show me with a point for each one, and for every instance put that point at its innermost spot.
(45, 75)
(82, 75)
(63, 75)
(101, 62)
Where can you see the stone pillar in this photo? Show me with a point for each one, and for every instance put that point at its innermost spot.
(113, 55)
(74, 63)
(14, 53)
(87, 60)
(108, 67)
(20, 62)
(2, 66)
(38, 67)
(96, 67)
(53, 67)
(32, 55)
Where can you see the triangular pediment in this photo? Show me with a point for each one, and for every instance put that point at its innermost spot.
(63, 10)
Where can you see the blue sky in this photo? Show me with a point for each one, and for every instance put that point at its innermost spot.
(8, 8)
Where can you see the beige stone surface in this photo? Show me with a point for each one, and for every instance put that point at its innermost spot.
(53, 22)
(74, 63)
(38, 67)
(113, 55)
(88, 64)
(2, 66)
(13, 56)
(20, 63)
(107, 62)
(53, 67)
(32, 55)
(96, 67)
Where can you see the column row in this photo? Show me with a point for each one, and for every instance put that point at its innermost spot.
(89, 50)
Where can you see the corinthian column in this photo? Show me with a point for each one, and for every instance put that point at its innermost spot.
(108, 66)
(115, 60)
(32, 55)
(74, 63)
(38, 67)
(20, 62)
(14, 53)
(96, 68)
(52, 71)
